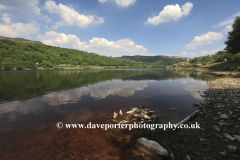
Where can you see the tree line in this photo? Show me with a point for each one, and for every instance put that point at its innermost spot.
(21, 56)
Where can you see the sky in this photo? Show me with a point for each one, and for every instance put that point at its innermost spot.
(190, 28)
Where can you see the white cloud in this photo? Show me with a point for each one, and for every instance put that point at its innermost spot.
(60, 39)
(227, 29)
(97, 45)
(48, 20)
(121, 3)
(69, 16)
(206, 38)
(184, 53)
(115, 48)
(213, 51)
(19, 29)
(2, 7)
(193, 54)
(184, 82)
(228, 21)
(224, 23)
(170, 13)
(30, 6)
(6, 19)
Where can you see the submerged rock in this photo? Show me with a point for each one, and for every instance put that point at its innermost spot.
(151, 147)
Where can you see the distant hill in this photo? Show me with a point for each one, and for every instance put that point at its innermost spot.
(20, 40)
(21, 54)
(156, 60)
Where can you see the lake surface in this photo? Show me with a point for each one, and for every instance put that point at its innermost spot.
(32, 102)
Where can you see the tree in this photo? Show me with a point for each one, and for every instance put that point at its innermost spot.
(233, 41)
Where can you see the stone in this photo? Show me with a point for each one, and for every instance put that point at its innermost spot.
(224, 154)
(120, 113)
(232, 148)
(151, 147)
(187, 157)
(224, 116)
(196, 153)
(229, 137)
(216, 128)
(220, 123)
(201, 139)
(115, 115)
(237, 137)
(146, 116)
(123, 121)
(132, 110)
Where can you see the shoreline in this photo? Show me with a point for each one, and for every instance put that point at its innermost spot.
(219, 117)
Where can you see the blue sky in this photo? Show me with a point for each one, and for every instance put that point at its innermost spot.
(123, 27)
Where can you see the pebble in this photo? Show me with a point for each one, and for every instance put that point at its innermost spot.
(232, 148)
(237, 137)
(224, 116)
(216, 128)
(224, 153)
(229, 137)
(187, 157)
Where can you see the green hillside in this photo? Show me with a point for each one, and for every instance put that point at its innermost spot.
(156, 60)
(32, 54)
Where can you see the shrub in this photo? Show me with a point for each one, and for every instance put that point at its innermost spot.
(237, 56)
(20, 67)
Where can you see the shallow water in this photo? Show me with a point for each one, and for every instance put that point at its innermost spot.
(31, 103)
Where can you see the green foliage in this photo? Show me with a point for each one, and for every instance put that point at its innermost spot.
(237, 56)
(233, 40)
(16, 55)
(155, 60)
(20, 67)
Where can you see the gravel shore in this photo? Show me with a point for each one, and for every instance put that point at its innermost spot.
(225, 83)
(219, 117)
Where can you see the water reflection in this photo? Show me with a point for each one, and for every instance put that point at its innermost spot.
(148, 84)
(33, 102)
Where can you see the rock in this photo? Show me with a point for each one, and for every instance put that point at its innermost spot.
(220, 123)
(120, 113)
(187, 157)
(146, 116)
(224, 116)
(224, 153)
(115, 115)
(201, 139)
(232, 148)
(132, 110)
(123, 121)
(237, 137)
(229, 137)
(216, 128)
(151, 147)
(171, 156)
(196, 153)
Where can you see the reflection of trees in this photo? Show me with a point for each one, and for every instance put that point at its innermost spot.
(201, 76)
(17, 85)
